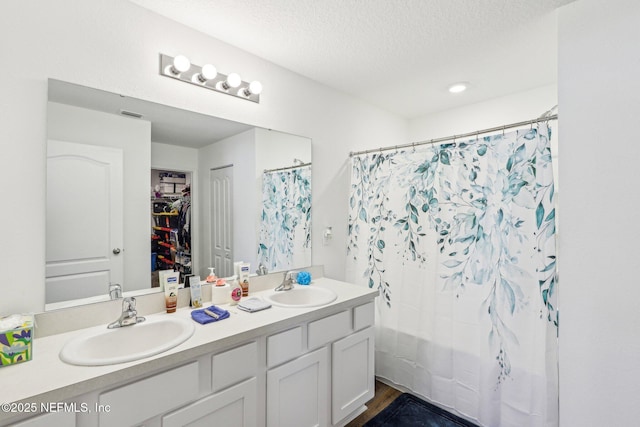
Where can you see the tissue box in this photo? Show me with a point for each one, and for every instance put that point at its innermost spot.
(16, 343)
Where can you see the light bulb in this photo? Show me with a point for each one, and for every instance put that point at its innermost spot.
(233, 80)
(208, 72)
(254, 88)
(180, 64)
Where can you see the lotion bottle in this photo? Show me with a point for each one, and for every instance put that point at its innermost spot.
(236, 293)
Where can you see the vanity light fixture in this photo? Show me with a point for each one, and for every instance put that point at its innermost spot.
(180, 68)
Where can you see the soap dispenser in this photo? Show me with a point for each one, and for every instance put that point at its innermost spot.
(211, 278)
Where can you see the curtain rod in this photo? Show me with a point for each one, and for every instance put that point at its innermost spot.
(542, 118)
(287, 167)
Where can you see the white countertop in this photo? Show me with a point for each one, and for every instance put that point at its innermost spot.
(47, 379)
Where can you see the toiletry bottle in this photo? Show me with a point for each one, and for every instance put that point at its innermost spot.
(236, 293)
(245, 288)
(196, 291)
(245, 268)
(211, 278)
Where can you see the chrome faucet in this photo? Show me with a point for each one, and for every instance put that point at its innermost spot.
(262, 270)
(129, 314)
(115, 291)
(287, 282)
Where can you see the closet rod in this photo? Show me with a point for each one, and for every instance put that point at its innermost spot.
(454, 137)
(287, 167)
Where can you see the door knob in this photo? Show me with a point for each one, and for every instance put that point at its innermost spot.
(116, 251)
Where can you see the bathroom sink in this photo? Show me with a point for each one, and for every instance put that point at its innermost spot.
(111, 346)
(302, 296)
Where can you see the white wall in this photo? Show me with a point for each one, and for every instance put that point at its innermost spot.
(599, 95)
(114, 46)
(133, 136)
(173, 157)
(277, 149)
(513, 108)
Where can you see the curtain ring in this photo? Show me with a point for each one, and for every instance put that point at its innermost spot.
(413, 146)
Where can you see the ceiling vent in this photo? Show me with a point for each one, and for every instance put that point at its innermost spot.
(131, 114)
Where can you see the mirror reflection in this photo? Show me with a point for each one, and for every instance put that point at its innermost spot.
(125, 175)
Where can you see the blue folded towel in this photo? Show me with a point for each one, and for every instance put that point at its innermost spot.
(201, 316)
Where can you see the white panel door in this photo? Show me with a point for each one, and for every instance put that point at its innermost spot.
(84, 225)
(297, 392)
(221, 220)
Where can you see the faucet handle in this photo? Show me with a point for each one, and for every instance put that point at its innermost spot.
(129, 304)
(115, 291)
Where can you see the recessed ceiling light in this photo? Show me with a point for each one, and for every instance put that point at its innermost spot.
(458, 87)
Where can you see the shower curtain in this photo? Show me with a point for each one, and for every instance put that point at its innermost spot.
(460, 241)
(285, 221)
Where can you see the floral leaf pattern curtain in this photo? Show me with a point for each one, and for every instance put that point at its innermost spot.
(285, 220)
(460, 240)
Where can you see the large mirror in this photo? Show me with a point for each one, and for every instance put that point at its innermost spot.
(130, 182)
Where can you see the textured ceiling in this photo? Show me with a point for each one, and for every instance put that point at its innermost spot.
(400, 55)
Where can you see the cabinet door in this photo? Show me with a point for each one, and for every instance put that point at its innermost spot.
(352, 382)
(235, 406)
(297, 392)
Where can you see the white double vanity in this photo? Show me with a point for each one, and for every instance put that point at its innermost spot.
(285, 366)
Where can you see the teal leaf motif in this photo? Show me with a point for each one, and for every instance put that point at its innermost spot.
(444, 158)
(482, 211)
(539, 214)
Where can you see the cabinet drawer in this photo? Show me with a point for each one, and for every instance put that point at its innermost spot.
(235, 406)
(324, 331)
(152, 396)
(363, 316)
(232, 366)
(284, 346)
